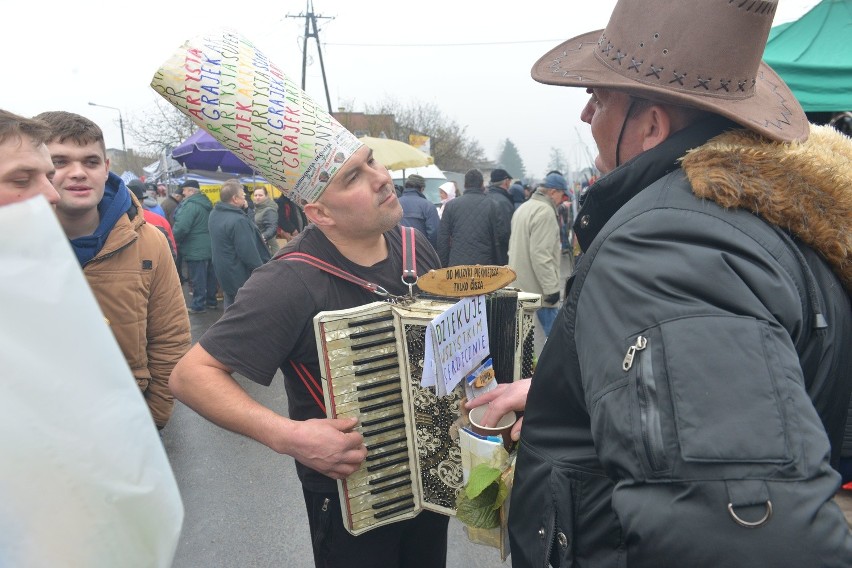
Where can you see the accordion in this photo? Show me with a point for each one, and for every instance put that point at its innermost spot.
(371, 360)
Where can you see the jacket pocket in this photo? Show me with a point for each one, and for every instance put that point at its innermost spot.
(725, 395)
(560, 515)
(711, 396)
(689, 398)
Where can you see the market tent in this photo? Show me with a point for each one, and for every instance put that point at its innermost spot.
(812, 55)
(163, 169)
(211, 182)
(203, 152)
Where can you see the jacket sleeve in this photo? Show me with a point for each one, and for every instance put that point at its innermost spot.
(246, 241)
(445, 237)
(502, 227)
(433, 222)
(696, 398)
(268, 224)
(168, 334)
(184, 221)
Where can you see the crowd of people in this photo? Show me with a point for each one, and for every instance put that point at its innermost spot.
(689, 405)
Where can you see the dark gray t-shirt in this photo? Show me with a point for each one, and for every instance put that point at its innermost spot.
(270, 326)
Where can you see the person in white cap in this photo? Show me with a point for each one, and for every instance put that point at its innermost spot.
(690, 401)
(354, 239)
(447, 192)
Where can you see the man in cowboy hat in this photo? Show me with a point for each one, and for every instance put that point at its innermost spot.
(690, 400)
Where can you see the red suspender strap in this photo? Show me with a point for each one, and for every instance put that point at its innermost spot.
(409, 256)
(334, 271)
(310, 383)
(409, 265)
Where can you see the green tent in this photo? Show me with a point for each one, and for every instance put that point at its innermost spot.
(814, 56)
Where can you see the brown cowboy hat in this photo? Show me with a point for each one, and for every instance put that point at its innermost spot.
(704, 54)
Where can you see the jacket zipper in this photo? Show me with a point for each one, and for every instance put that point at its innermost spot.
(552, 539)
(649, 411)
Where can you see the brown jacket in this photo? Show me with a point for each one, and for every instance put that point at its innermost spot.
(136, 284)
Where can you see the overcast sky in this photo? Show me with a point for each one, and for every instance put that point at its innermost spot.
(471, 58)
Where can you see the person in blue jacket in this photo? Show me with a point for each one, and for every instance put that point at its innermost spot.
(417, 211)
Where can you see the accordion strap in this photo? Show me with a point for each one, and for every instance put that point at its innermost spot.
(409, 266)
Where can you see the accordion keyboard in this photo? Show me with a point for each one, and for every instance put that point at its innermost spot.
(365, 383)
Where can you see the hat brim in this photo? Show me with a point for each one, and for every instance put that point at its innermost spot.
(773, 111)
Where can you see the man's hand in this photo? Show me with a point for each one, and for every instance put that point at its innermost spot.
(328, 445)
(506, 397)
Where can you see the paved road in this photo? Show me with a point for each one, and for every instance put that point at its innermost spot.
(243, 502)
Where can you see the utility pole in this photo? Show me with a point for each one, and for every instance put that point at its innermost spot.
(311, 31)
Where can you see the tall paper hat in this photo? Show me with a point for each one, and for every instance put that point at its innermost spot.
(231, 90)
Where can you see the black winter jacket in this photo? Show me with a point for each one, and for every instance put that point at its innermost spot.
(468, 231)
(690, 377)
(503, 228)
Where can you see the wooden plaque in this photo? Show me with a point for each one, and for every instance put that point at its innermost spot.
(466, 280)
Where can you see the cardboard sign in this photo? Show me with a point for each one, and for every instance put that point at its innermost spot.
(466, 280)
(456, 344)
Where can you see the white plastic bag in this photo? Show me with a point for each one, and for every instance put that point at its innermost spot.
(84, 478)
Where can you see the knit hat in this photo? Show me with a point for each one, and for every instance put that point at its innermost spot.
(227, 86)
(499, 175)
(415, 180)
(189, 183)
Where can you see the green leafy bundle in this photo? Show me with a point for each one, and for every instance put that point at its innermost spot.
(479, 504)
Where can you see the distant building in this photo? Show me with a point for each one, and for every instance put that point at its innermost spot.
(361, 124)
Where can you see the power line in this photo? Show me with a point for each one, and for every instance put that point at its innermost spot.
(311, 23)
(443, 44)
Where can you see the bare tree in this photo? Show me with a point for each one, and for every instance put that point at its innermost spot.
(452, 148)
(131, 160)
(161, 128)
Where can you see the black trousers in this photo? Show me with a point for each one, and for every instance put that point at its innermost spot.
(420, 542)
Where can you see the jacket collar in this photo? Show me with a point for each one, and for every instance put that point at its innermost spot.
(413, 191)
(537, 196)
(222, 206)
(804, 188)
(500, 191)
(612, 191)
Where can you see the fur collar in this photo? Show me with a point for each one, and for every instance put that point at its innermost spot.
(802, 187)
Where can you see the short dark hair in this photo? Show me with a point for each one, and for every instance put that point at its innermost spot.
(12, 125)
(415, 181)
(473, 178)
(261, 188)
(67, 125)
(230, 189)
